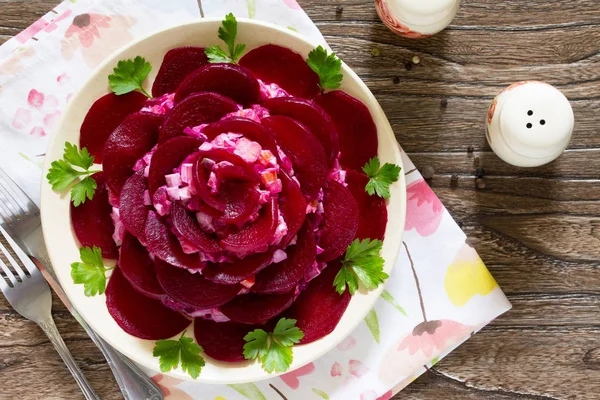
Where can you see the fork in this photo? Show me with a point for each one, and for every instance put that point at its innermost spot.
(20, 216)
(29, 294)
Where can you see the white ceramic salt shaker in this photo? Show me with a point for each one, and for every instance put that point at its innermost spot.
(529, 124)
(417, 18)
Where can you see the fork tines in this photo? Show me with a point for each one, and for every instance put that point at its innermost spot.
(12, 201)
(18, 272)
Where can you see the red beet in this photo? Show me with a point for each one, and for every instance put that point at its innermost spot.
(104, 116)
(187, 226)
(231, 80)
(356, 130)
(257, 308)
(255, 235)
(193, 290)
(313, 116)
(340, 220)
(92, 223)
(167, 157)
(371, 209)
(320, 307)
(284, 276)
(132, 210)
(238, 270)
(292, 207)
(139, 315)
(177, 64)
(250, 129)
(223, 341)
(165, 246)
(194, 110)
(284, 67)
(136, 136)
(137, 267)
(305, 151)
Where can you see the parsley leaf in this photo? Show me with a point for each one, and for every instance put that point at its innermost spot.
(129, 75)
(227, 33)
(170, 352)
(65, 172)
(273, 349)
(328, 67)
(380, 179)
(90, 272)
(361, 263)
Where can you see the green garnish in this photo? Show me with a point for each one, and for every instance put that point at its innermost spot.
(380, 179)
(170, 352)
(227, 33)
(91, 271)
(129, 75)
(328, 67)
(362, 262)
(75, 164)
(274, 349)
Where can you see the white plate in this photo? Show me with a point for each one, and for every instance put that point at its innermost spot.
(63, 247)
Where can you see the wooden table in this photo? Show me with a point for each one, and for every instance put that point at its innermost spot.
(538, 230)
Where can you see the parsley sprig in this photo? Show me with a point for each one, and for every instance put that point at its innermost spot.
(129, 75)
(72, 167)
(227, 33)
(91, 271)
(380, 178)
(170, 352)
(328, 67)
(361, 263)
(273, 349)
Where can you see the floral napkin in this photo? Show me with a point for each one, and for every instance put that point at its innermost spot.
(439, 294)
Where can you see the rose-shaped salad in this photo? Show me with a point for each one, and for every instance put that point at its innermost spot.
(242, 197)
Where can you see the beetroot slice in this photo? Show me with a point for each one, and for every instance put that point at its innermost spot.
(371, 209)
(167, 157)
(138, 268)
(223, 341)
(356, 130)
(305, 151)
(238, 270)
(132, 210)
(320, 307)
(193, 290)
(177, 64)
(194, 110)
(292, 207)
(313, 116)
(187, 226)
(104, 116)
(255, 235)
(252, 130)
(164, 245)
(340, 220)
(231, 80)
(92, 223)
(257, 308)
(283, 277)
(284, 67)
(140, 315)
(136, 136)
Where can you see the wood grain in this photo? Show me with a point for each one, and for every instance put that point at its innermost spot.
(536, 229)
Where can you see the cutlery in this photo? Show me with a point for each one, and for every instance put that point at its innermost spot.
(29, 294)
(21, 217)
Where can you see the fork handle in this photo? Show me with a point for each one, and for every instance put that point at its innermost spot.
(50, 330)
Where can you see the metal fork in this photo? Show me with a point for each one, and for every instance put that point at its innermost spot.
(21, 217)
(29, 294)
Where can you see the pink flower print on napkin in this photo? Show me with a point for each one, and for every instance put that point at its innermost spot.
(424, 211)
(293, 4)
(22, 118)
(42, 113)
(291, 378)
(13, 64)
(347, 343)
(355, 369)
(96, 36)
(41, 24)
(166, 384)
